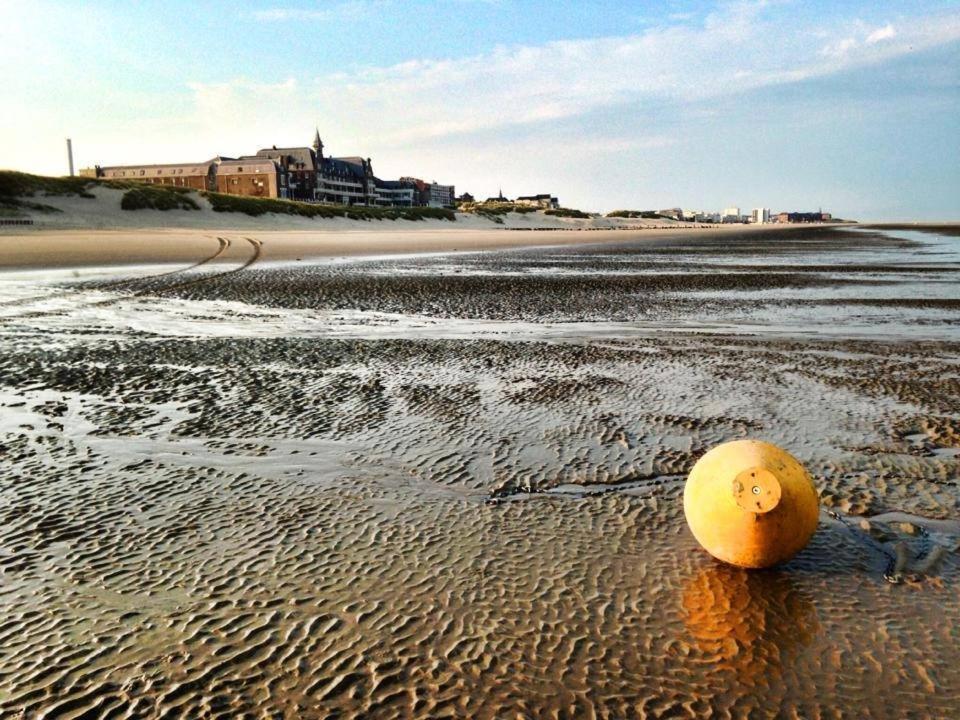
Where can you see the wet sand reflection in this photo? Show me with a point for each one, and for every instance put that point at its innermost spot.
(752, 624)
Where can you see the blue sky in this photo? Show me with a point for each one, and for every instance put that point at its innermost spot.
(851, 106)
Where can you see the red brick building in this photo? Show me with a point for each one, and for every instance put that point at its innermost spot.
(199, 176)
(256, 177)
(295, 173)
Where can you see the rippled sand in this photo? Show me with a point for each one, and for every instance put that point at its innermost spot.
(451, 487)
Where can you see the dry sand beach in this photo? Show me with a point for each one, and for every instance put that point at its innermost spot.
(95, 231)
(266, 479)
(97, 248)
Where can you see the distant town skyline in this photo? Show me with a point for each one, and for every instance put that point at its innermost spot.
(854, 107)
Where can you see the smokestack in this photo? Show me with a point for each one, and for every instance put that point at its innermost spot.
(70, 155)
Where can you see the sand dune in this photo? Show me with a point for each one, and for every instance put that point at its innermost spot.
(93, 232)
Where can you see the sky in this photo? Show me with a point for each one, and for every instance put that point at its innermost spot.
(852, 107)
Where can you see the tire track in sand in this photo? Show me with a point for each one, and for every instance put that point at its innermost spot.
(224, 245)
(257, 246)
(257, 251)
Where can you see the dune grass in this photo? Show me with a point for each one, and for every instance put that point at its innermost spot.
(646, 214)
(487, 208)
(495, 211)
(260, 206)
(16, 186)
(568, 213)
(158, 197)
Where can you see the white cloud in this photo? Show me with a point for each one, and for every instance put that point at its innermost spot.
(734, 50)
(863, 36)
(339, 11)
(346, 10)
(840, 48)
(885, 33)
(571, 111)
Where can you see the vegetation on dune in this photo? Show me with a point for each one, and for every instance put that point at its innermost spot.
(14, 207)
(15, 186)
(646, 214)
(495, 211)
(142, 196)
(497, 208)
(568, 213)
(260, 206)
(18, 185)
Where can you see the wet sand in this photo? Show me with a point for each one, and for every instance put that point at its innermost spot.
(450, 486)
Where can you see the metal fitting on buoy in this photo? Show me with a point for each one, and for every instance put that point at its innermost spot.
(750, 504)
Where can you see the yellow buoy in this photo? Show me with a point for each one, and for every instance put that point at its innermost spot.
(750, 504)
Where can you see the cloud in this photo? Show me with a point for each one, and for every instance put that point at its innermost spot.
(840, 48)
(864, 36)
(347, 10)
(731, 51)
(884, 33)
(340, 11)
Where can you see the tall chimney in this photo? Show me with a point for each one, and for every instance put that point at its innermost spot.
(70, 155)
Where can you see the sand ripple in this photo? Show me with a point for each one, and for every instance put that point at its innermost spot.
(317, 528)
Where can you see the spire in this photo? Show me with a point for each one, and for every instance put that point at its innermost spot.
(318, 143)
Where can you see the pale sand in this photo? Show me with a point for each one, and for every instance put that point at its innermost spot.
(96, 231)
(392, 490)
(89, 248)
(104, 212)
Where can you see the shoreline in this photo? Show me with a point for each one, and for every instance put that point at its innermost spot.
(52, 249)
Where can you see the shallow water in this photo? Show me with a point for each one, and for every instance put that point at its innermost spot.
(385, 489)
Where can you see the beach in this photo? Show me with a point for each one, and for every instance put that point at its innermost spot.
(95, 231)
(135, 245)
(439, 472)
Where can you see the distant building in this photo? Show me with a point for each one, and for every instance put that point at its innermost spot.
(544, 201)
(395, 193)
(442, 195)
(730, 215)
(256, 177)
(300, 166)
(466, 198)
(701, 216)
(295, 173)
(198, 176)
(802, 217)
(431, 194)
(498, 199)
(760, 216)
(675, 213)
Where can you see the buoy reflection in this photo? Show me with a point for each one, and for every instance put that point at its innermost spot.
(750, 623)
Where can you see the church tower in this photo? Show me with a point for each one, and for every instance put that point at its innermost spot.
(318, 144)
